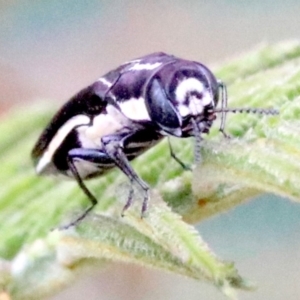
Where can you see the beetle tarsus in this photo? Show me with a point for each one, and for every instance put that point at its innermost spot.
(83, 187)
(145, 203)
(226, 135)
(79, 219)
(177, 159)
(129, 200)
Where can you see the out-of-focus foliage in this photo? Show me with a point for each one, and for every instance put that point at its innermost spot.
(261, 157)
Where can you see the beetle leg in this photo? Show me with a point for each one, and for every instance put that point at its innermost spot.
(113, 146)
(91, 155)
(173, 155)
(222, 86)
(122, 162)
(129, 200)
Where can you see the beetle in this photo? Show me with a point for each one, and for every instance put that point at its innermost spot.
(126, 112)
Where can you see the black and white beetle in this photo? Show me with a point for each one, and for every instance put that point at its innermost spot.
(127, 111)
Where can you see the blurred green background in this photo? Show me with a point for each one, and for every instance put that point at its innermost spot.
(51, 49)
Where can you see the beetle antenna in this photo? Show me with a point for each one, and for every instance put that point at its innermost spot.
(224, 109)
(197, 135)
(248, 110)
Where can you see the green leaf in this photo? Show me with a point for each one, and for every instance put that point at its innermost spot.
(261, 157)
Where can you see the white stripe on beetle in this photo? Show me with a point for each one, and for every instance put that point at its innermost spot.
(103, 125)
(188, 85)
(195, 105)
(59, 138)
(104, 81)
(135, 109)
(147, 66)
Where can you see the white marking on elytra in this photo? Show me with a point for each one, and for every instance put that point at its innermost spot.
(59, 138)
(117, 114)
(103, 125)
(131, 61)
(196, 105)
(135, 109)
(147, 66)
(104, 81)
